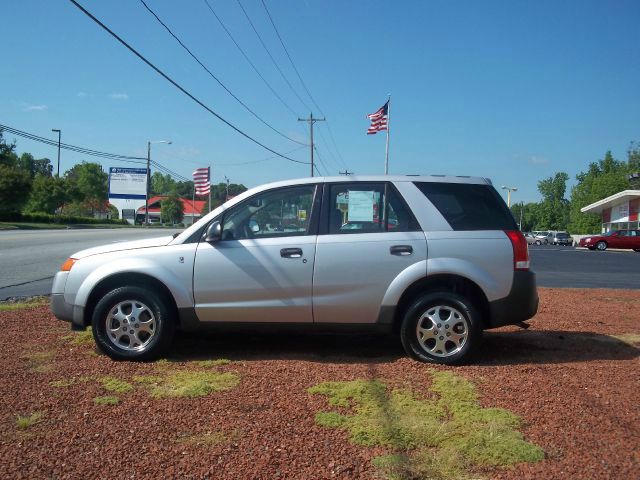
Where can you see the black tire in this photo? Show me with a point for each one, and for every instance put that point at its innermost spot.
(151, 324)
(457, 312)
(601, 245)
(636, 249)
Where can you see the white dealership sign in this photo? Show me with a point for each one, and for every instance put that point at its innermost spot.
(127, 182)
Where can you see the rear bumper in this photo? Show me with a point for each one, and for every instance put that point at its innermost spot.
(521, 304)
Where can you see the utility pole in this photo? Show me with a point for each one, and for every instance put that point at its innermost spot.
(59, 134)
(346, 172)
(226, 198)
(311, 121)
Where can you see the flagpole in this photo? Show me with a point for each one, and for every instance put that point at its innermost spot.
(209, 187)
(386, 161)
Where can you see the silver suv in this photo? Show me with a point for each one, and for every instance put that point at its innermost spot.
(437, 259)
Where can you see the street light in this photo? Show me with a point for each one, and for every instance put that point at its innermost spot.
(59, 134)
(146, 196)
(509, 190)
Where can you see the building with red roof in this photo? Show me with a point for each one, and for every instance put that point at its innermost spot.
(192, 209)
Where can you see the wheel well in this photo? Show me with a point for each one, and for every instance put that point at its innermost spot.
(127, 279)
(444, 282)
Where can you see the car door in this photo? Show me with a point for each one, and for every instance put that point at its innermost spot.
(367, 236)
(261, 269)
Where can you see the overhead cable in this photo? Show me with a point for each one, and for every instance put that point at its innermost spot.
(178, 86)
(215, 77)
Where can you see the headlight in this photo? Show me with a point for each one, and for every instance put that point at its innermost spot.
(68, 264)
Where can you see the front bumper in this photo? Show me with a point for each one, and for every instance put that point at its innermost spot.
(521, 304)
(61, 308)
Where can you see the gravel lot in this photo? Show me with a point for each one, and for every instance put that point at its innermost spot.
(572, 382)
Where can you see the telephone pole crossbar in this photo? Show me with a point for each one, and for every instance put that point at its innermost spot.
(311, 121)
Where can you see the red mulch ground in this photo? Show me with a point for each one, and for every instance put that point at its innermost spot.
(575, 387)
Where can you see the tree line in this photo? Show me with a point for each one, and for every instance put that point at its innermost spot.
(602, 178)
(28, 186)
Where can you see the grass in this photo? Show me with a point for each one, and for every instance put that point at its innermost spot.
(28, 421)
(116, 385)
(106, 400)
(32, 303)
(444, 436)
(189, 384)
(213, 363)
(55, 226)
(62, 383)
(80, 338)
(632, 339)
(40, 361)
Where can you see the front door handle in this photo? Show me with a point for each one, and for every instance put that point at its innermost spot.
(401, 250)
(291, 253)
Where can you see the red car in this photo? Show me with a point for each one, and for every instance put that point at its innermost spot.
(613, 239)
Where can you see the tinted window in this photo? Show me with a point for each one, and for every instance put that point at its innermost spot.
(367, 208)
(275, 213)
(469, 206)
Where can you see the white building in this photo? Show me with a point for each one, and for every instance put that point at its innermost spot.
(618, 212)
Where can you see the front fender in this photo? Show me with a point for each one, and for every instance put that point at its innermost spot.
(176, 285)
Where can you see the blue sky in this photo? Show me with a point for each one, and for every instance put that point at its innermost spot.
(511, 90)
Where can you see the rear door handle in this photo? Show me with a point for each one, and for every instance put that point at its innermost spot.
(401, 250)
(291, 253)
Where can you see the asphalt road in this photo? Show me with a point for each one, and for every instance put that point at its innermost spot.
(30, 258)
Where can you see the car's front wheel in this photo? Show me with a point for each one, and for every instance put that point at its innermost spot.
(441, 327)
(132, 323)
(602, 246)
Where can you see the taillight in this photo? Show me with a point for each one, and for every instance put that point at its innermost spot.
(520, 250)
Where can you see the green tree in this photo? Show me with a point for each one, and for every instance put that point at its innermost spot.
(172, 209)
(35, 167)
(162, 184)
(48, 194)
(553, 211)
(15, 183)
(87, 187)
(603, 178)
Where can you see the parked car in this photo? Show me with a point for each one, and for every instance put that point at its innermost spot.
(531, 238)
(562, 238)
(415, 275)
(613, 239)
(541, 238)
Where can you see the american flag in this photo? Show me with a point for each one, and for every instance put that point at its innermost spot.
(201, 181)
(378, 120)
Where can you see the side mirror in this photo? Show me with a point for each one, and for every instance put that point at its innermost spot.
(214, 232)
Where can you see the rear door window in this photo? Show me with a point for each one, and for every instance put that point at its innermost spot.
(468, 206)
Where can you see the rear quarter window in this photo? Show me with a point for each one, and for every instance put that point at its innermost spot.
(468, 206)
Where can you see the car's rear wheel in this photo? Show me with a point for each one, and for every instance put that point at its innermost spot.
(132, 323)
(601, 245)
(441, 327)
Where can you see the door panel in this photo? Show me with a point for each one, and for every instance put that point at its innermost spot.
(251, 281)
(353, 272)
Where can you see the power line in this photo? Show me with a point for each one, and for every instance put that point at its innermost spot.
(271, 57)
(247, 58)
(290, 59)
(215, 77)
(304, 85)
(175, 84)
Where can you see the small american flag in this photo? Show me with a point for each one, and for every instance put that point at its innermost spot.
(378, 120)
(201, 181)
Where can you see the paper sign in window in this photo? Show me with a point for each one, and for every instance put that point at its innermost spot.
(361, 206)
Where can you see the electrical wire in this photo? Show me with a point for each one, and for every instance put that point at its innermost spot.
(273, 60)
(290, 59)
(175, 84)
(246, 57)
(215, 77)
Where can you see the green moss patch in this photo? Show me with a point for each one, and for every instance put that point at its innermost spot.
(440, 437)
(40, 361)
(213, 363)
(32, 303)
(632, 339)
(24, 422)
(106, 400)
(191, 384)
(80, 338)
(113, 384)
(66, 382)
